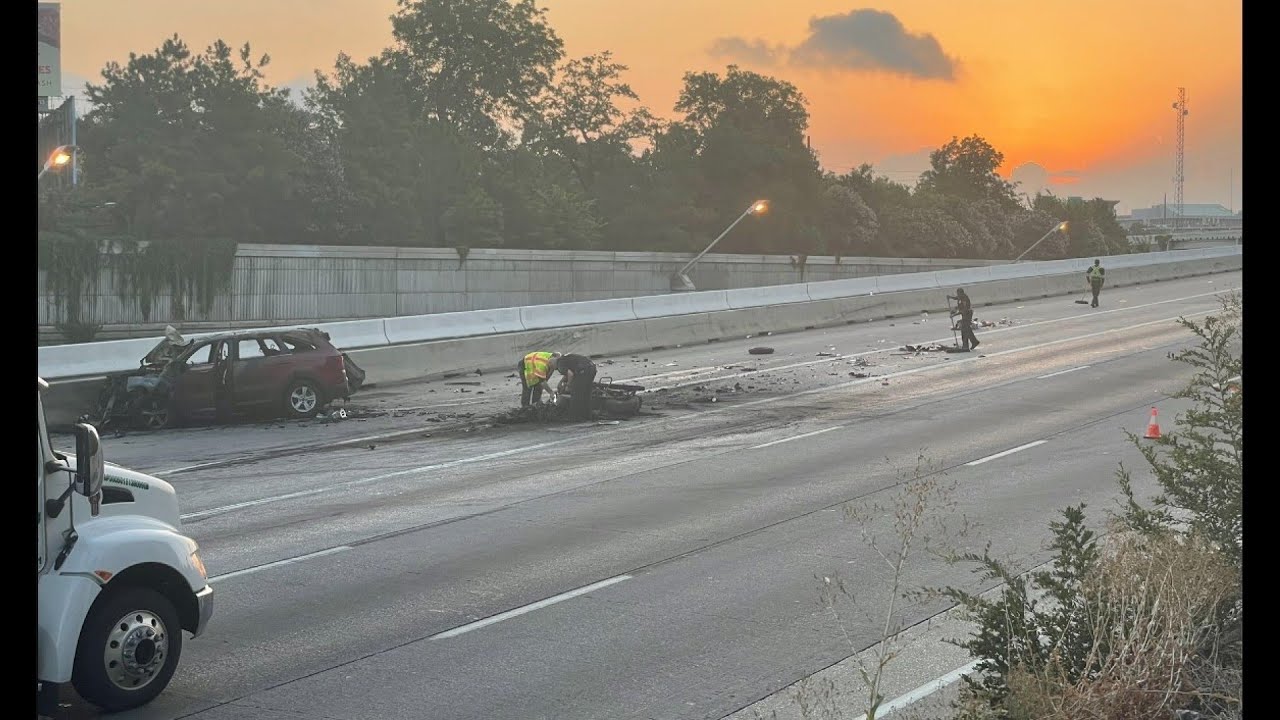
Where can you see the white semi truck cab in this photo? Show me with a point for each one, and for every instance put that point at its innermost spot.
(118, 581)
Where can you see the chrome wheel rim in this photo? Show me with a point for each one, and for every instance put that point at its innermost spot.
(303, 399)
(136, 650)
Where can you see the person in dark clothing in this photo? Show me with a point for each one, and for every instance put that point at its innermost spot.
(1096, 274)
(964, 308)
(580, 374)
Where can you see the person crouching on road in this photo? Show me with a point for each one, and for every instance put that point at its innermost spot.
(534, 371)
(965, 308)
(580, 373)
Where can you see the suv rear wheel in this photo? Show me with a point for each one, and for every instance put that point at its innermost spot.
(302, 399)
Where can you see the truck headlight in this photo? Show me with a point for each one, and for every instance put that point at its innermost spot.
(195, 560)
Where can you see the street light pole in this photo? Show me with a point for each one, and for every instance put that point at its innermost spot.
(1060, 226)
(60, 156)
(686, 284)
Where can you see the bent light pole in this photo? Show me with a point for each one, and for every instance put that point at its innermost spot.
(681, 281)
(1060, 226)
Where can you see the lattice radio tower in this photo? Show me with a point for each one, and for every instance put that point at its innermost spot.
(1181, 108)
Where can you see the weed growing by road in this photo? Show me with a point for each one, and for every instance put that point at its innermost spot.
(1145, 623)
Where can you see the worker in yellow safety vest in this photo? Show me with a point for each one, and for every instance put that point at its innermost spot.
(1096, 275)
(534, 371)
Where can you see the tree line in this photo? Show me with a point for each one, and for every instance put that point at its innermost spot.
(473, 129)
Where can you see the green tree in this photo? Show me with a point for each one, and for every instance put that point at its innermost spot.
(1029, 226)
(849, 226)
(194, 154)
(967, 168)
(402, 171)
(922, 230)
(747, 133)
(473, 219)
(879, 192)
(580, 120)
(474, 66)
(1092, 227)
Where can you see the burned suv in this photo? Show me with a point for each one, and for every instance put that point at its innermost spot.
(229, 376)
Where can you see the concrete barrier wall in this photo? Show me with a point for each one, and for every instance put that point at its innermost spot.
(298, 284)
(412, 348)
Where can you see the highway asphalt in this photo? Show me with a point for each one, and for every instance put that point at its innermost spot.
(667, 567)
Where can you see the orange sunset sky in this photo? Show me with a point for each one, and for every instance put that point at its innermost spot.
(1080, 88)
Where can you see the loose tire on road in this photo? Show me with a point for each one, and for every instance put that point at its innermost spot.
(128, 650)
(302, 399)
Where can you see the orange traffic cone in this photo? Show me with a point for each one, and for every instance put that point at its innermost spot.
(1153, 427)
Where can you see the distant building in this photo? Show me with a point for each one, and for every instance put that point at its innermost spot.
(1194, 215)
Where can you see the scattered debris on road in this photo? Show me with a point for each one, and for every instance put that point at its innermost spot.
(917, 349)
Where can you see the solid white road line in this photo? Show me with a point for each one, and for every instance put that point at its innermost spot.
(376, 478)
(1062, 372)
(923, 691)
(529, 608)
(1010, 451)
(278, 563)
(796, 437)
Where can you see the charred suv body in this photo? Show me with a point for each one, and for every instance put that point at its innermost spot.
(118, 582)
(227, 376)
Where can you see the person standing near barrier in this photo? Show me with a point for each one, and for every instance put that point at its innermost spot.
(964, 308)
(1096, 274)
(580, 374)
(534, 371)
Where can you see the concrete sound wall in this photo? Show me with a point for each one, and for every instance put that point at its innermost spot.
(281, 284)
(403, 349)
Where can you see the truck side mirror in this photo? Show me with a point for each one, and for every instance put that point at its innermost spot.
(89, 464)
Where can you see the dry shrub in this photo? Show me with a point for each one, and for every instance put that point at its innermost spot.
(1154, 608)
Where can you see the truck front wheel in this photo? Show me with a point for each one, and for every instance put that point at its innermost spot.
(129, 648)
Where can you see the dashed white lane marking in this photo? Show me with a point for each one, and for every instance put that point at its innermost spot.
(188, 467)
(529, 608)
(278, 563)
(1010, 451)
(1062, 372)
(795, 437)
(924, 690)
(376, 478)
(684, 418)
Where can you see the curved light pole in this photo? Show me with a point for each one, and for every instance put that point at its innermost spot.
(681, 281)
(61, 156)
(1060, 226)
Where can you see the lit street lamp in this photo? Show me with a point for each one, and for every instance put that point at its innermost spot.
(61, 156)
(681, 281)
(1060, 226)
